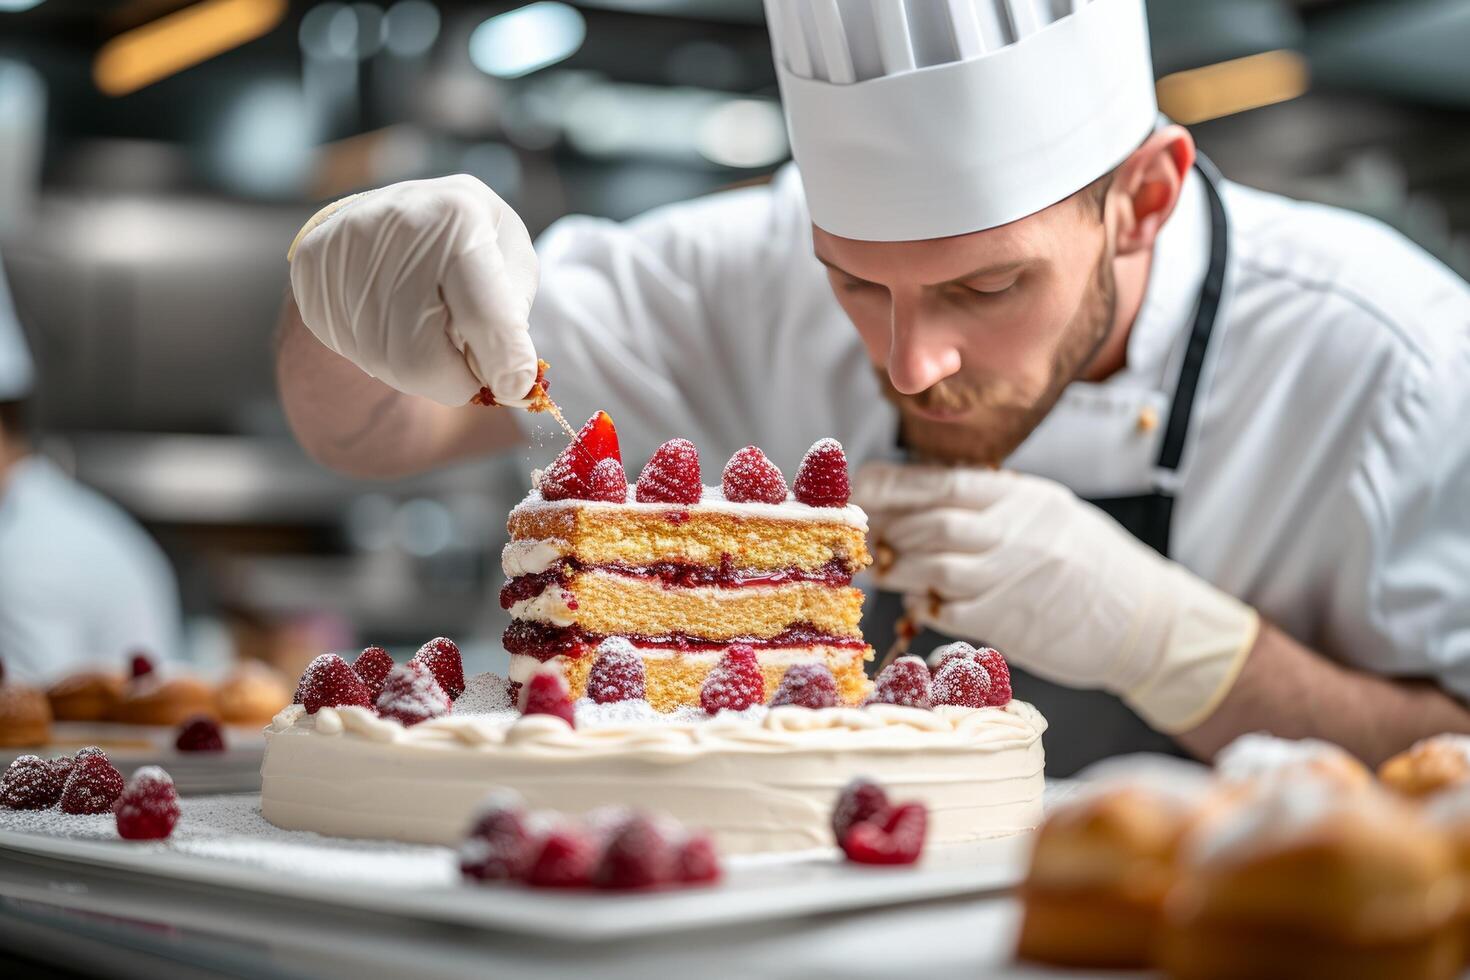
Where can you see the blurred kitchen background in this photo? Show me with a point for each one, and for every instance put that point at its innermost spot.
(156, 157)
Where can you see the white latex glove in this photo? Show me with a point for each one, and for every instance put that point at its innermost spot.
(426, 285)
(1060, 587)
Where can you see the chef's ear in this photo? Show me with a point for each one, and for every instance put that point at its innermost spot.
(1146, 187)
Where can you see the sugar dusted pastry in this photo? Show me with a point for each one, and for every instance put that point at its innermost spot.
(1429, 766)
(154, 699)
(25, 714)
(1301, 880)
(251, 695)
(1259, 756)
(87, 695)
(1103, 862)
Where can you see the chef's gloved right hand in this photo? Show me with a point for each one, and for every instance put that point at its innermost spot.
(426, 285)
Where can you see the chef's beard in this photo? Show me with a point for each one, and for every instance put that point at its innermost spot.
(998, 414)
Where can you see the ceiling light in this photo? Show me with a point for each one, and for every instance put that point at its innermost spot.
(521, 41)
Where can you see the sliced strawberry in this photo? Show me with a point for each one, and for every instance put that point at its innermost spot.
(570, 475)
(860, 801)
(821, 480)
(565, 858)
(897, 840)
(200, 734)
(441, 656)
(499, 846)
(750, 477)
(671, 475)
(698, 863)
(329, 682)
(903, 682)
(30, 784)
(148, 807)
(962, 681)
(373, 665)
(617, 673)
(637, 856)
(547, 694)
(735, 683)
(93, 786)
(806, 686)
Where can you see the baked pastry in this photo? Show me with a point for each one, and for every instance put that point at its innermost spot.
(1259, 756)
(251, 695)
(87, 695)
(1301, 880)
(684, 571)
(25, 714)
(154, 699)
(1428, 766)
(1449, 812)
(1103, 862)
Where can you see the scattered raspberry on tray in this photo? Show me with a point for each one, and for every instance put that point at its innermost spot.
(329, 682)
(148, 808)
(735, 683)
(750, 477)
(806, 686)
(821, 480)
(139, 666)
(411, 695)
(637, 856)
(904, 682)
(200, 734)
(93, 786)
(565, 858)
(29, 784)
(698, 861)
(860, 801)
(441, 656)
(373, 665)
(870, 830)
(617, 673)
(498, 846)
(671, 475)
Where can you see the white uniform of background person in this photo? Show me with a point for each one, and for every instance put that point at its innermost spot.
(81, 584)
(1326, 480)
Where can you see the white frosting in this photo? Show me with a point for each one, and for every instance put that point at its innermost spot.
(532, 555)
(711, 500)
(522, 667)
(761, 781)
(550, 606)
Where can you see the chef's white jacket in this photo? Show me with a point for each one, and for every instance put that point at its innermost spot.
(1326, 473)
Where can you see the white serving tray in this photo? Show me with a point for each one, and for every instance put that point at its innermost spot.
(235, 770)
(756, 888)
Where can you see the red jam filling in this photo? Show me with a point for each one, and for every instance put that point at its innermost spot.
(543, 641)
(675, 574)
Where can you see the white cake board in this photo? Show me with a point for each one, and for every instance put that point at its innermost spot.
(223, 846)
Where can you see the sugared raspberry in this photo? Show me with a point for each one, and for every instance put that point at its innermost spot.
(806, 686)
(671, 475)
(564, 858)
(93, 786)
(903, 682)
(617, 673)
(961, 681)
(139, 666)
(608, 482)
(61, 768)
(860, 801)
(373, 665)
(441, 656)
(944, 654)
(412, 695)
(200, 734)
(752, 478)
(899, 839)
(498, 847)
(148, 808)
(29, 784)
(547, 694)
(735, 683)
(88, 750)
(636, 856)
(328, 682)
(1000, 676)
(821, 480)
(570, 475)
(698, 863)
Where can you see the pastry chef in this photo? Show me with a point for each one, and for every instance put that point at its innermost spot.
(1192, 455)
(81, 584)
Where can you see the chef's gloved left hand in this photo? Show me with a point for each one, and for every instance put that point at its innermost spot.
(1021, 563)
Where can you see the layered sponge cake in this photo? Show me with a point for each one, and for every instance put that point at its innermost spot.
(683, 571)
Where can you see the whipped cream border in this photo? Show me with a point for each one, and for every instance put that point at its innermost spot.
(875, 728)
(713, 500)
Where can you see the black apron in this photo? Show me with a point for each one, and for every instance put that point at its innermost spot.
(1086, 725)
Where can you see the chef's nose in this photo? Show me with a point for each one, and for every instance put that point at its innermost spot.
(920, 354)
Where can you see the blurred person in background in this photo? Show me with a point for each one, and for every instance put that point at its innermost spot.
(1236, 483)
(81, 584)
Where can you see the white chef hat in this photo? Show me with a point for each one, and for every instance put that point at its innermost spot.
(17, 371)
(914, 119)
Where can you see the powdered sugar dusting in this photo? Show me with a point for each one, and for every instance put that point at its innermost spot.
(485, 694)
